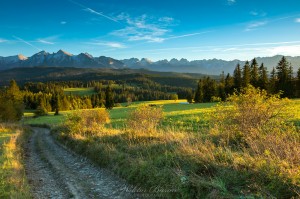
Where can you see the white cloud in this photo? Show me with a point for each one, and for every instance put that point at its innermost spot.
(255, 25)
(258, 13)
(291, 50)
(254, 13)
(297, 20)
(108, 44)
(143, 28)
(166, 19)
(63, 22)
(231, 2)
(2, 40)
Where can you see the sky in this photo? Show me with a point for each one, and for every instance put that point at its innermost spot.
(165, 29)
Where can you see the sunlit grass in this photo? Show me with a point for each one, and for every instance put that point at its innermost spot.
(79, 91)
(12, 177)
(188, 117)
(188, 155)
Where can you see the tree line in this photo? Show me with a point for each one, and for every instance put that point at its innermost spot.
(50, 96)
(280, 80)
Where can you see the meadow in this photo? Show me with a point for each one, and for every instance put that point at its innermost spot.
(179, 114)
(204, 150)
(79, 91)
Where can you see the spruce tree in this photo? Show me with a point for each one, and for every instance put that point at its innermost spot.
(263, 77)
(221, 87)
(298, 83)
(229, 84)
(272, 88)
(290, 83)
(246, 74)
(283, 77)
(209, 89)
(237, 77)
(11, 103)
(254, 76)
(199, 92)
(109, 98)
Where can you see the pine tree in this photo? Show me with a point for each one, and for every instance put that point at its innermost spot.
(290, 83)
(237, 76)
(273, 82)
(199, 92)
(283, 77)
(221, 87)
(109, 98)
(254, 76)
(246, 74)
(263, 77)
(298, 83)
(189, 96)
(209, 89)
(229, 84)
(56, 103)
(11, 103)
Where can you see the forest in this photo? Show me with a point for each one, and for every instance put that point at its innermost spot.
(50, 96)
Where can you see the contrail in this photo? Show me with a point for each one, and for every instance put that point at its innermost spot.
(187, 35)
(29, 44)
(93, 11)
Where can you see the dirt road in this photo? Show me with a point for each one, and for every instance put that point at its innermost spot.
(55, 172)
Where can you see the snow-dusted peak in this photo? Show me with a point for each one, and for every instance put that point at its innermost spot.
(42, 53)
(146, 60)
(61, 52)
(22, 57)
(88, 55)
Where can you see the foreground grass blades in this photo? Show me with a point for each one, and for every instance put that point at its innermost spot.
(13, 182)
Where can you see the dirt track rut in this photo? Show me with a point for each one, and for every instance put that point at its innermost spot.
(55, 172)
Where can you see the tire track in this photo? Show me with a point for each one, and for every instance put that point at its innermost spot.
(55, 172)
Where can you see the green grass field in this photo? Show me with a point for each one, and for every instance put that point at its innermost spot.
(79, 91)
(225, 160)
(187, 117)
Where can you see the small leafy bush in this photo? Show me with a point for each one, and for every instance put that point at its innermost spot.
(87, 121)
(145, 118)
(40, 111)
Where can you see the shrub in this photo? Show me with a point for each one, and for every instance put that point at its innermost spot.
(40, 111)
(87, 121)
(145, 118)
(253, 122)
(248, 114)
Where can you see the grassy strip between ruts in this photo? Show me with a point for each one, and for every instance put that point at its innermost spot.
(13, 182)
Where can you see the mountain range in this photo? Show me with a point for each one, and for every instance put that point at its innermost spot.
(85, 60)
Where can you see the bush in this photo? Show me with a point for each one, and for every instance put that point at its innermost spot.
(253, 122)
(87, 121)
(40, 111)
(249, 114)
(145, 118)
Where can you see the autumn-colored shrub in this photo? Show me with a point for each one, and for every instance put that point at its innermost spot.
(87, 121)
(145, 118)
(252, 122)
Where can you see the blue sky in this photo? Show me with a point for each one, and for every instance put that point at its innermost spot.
(165, 29)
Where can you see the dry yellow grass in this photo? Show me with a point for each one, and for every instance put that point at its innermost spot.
(13, 182)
